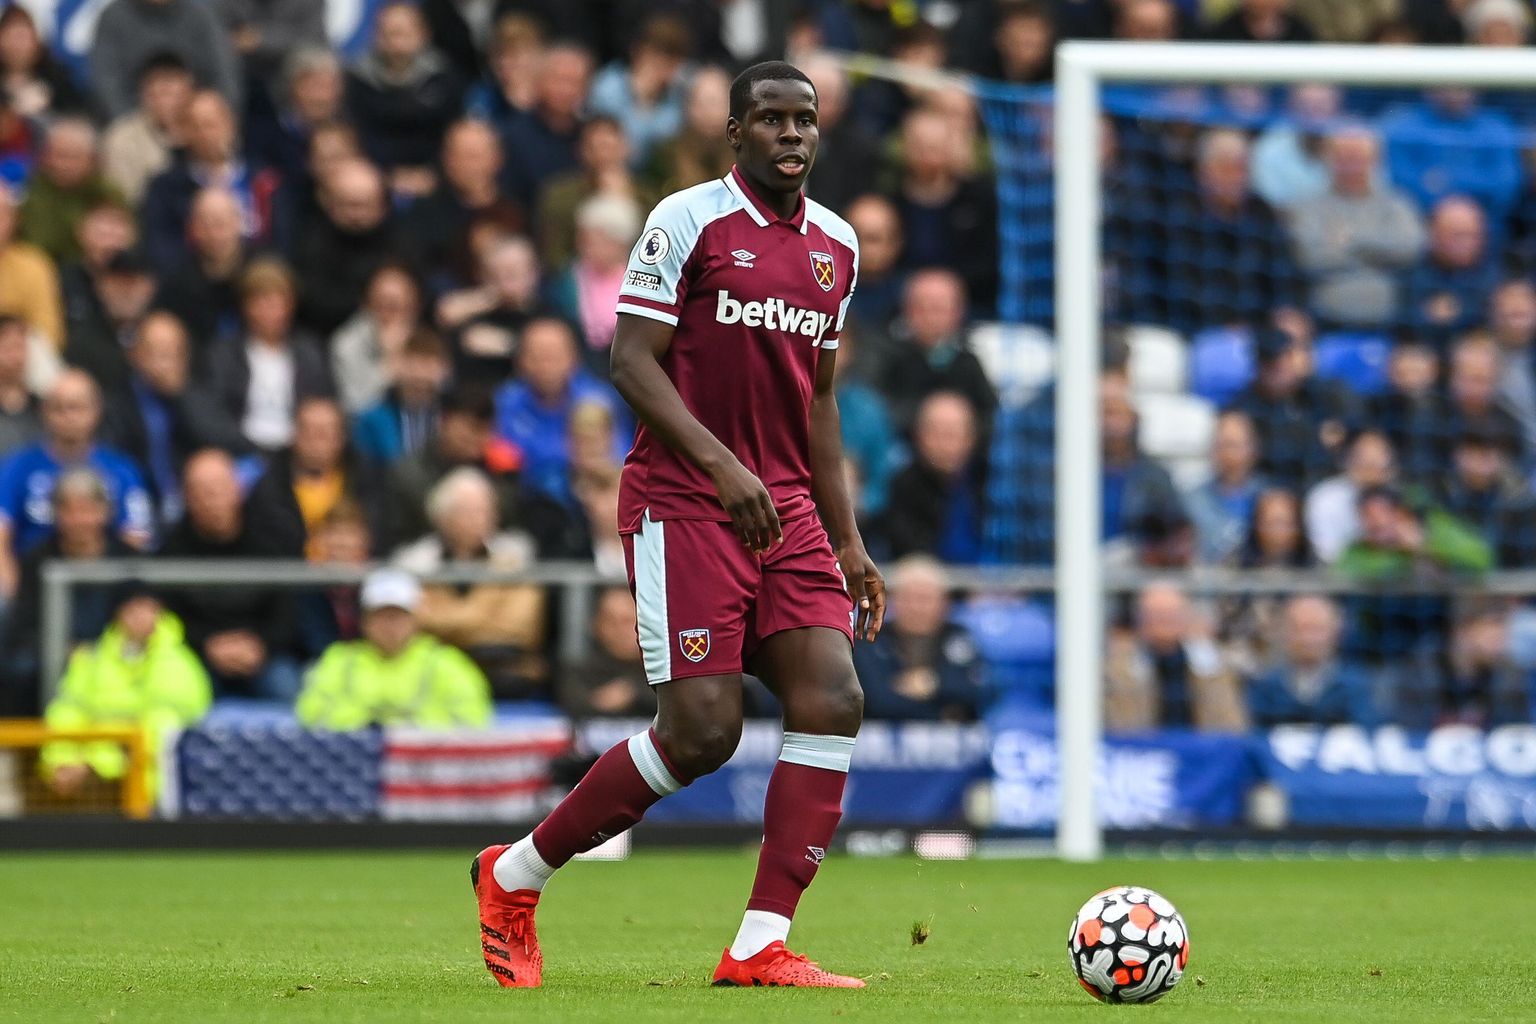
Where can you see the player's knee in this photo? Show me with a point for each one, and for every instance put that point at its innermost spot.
(835, 708)
(702, 749)
(846, 707)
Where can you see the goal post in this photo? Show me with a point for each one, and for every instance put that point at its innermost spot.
(1082, 68)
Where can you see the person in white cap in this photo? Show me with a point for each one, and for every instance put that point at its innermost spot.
(394, 674)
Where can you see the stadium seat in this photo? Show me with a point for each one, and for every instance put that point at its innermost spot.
(1159, 360)
(1221, 364)
(1016, 639)
(1176, 426)
(1019, 359)
(1188, 471)
(1358, 360)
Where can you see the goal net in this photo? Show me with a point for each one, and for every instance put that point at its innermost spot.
(1293, 409)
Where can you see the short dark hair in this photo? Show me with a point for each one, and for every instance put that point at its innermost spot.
(468, 399)
(11, 322)
(163, 62)
(766, 71)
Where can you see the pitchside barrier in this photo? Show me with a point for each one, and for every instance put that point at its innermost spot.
(1003, 773)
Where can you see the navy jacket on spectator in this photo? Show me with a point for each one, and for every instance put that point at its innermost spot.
(1438, 303)
(910, 374)
(402, 121)
(932, 515)
(1343, 698)
(960, 235)
(950, 692)
(1292, 452)
(1421, 431)
(168, 205)
(535, 153)
(1220, 271)
(333, 268)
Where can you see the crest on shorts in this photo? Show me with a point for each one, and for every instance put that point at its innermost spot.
(824, 270)
(694, 644)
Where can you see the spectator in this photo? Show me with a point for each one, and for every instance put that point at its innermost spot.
(1352, 240)
(932, 354)
(323, 470)
(64, 186)
(604, 153)
(1395, 542)
(1143, 515)
(1300, 420)
(29, 284)
(336, 253)
(465, 438)
(917, 48)
(261, 376)
(609, 680)
(82, 518)
(139, 672)
(138, 144)
(244, 635)
(1311, 685)
(438, 224)
(1447, 145)
(1447, 291)
(403, 94)
(107, 229)
(211, 158)
(264, 32)
(101, 328)
(927, 667)
(1474, 394)
(542, 141)
(1332, 523)
(1512, 322)
(1275, 538)
(532, 411)
(343, 538)
(1023, 41)
(366, 351)
(20, 423)
(396, 674)
(402, 421)
(1167, 673)
(1252, 625)
(1357, 22)
(648, 93)
(71, 413)
(868, 438)
(1413, 412)
(1227, 261)
(1483, 493)
(1146, 21)
(846, 151)
(129, 32)
(1474, 682)
(157, 416)
(513, 57)
(205, 291)
(877, 299)
(1262, 21)
(500, 626)
(1496, 23)
(935, 503)
(697, 151)
(1288, 164)
(607, 227)
(1222, 507)
(949, 218)
(597, 490)
(37, 85)
(311, 96)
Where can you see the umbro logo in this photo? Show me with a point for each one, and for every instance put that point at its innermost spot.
(814, 854)
(744, 258)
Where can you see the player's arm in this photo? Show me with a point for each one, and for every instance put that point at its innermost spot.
(829, 488)
(639, 343)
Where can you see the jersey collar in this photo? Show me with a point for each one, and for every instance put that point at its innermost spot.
(756, 209)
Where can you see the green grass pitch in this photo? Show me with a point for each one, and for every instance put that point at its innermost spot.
(338, 937)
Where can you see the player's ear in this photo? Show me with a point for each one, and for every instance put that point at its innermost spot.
(733, 132)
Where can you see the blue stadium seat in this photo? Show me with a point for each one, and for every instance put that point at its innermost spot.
(1016, 639)
(1221, 363)
(1357, 359)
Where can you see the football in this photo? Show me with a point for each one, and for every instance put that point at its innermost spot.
(1128, 945)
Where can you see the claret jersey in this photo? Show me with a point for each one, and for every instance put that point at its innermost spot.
(755, 300)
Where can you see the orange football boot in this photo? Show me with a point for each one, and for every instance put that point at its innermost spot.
(507, 936)
(776, 967)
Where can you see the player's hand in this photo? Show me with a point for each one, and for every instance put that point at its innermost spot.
(867, 588)
(751, 509)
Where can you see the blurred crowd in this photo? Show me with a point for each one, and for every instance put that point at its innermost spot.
(259, 298)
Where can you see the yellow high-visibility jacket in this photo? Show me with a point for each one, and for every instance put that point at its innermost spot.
(429, 683)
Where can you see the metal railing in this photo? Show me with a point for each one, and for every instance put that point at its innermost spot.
(578, 581)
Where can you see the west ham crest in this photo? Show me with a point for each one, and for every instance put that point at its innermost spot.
(694, 644)
(824, 270)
